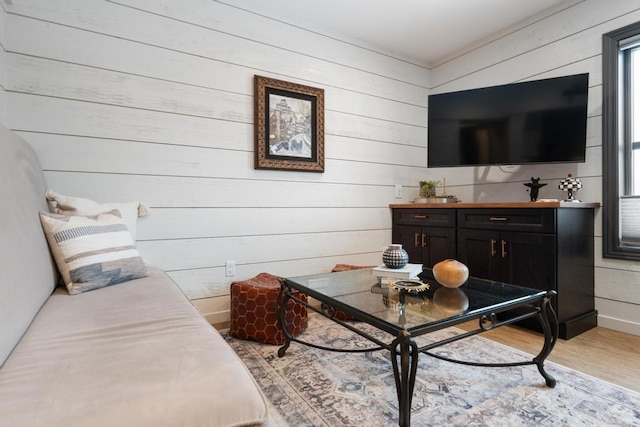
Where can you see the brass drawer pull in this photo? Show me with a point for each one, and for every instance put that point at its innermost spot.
(498, 218)
(420, 217)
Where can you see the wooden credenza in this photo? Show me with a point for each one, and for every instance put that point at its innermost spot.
(542, 245)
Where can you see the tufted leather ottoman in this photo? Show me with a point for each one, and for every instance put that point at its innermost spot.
(254, 316)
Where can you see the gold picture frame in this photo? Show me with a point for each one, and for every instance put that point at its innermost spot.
(289, 126)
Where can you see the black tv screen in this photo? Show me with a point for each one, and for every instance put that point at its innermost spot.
(542, 121)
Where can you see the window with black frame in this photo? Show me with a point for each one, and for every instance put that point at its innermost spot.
(621, 143)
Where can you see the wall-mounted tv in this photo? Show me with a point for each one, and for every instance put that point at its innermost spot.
(541, 121)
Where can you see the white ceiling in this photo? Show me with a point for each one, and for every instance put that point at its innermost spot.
(420, 31)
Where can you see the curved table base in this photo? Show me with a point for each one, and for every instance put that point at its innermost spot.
(404, 350)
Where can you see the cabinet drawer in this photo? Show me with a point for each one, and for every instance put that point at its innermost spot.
(426, 217)
(534, 220)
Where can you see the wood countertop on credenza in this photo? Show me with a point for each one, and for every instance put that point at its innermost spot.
(501, 205)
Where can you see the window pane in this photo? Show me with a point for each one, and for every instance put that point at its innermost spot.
(620, 130)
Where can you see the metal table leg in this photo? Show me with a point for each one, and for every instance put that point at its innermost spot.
(549, 323)
(404, 359)
(283, 299)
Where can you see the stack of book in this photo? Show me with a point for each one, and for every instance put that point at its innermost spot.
(386, 274)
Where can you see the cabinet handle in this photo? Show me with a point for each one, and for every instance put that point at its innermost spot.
(504, 247)
(415, 239)
(420, 217)
(493, 247)
(498, 218)
(424, 243)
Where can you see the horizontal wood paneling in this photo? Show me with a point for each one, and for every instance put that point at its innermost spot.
(72, 81)
(168, 159)
(291, 37)
(541, 46)
(184, 254)
(175, 223)
(68, 117)
(153, 101)
(618, 285)
(168, 166)
(169, 191)
(71, 117)
(151, 29)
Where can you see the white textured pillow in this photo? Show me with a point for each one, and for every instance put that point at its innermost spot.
(92, 251)
(68, 205)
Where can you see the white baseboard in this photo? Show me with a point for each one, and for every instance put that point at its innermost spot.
(215, 309)
(619, 325)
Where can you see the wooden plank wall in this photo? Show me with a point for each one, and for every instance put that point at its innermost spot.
(568, 41)
(152, 100)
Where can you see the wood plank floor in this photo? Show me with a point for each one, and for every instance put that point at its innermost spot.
(600, 352)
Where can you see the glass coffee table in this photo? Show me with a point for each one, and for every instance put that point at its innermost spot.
(408, 309)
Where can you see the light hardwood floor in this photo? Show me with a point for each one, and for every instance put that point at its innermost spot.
(600, 352)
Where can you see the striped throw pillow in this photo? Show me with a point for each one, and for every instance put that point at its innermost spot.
(92, 252)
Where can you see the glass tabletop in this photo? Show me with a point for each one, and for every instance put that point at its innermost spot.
(376, 301)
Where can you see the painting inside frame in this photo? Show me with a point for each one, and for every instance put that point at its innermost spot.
(289, 126)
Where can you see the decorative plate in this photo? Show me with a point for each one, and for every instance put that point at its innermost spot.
(413, 286)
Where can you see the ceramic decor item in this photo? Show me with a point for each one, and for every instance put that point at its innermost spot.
(395, 257)
(450, 273)
(570, 185)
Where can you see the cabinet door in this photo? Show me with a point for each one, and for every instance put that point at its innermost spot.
(426, 245)
(528, 259)
(440, 243)
(479, 251)
(410, 236)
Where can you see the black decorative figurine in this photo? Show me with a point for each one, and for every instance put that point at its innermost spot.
(534, 185)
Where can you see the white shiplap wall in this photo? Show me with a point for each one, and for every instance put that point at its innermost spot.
(152, 100)
(567, 42)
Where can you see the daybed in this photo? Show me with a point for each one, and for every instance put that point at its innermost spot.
(135, 353)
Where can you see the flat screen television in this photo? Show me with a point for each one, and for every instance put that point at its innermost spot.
(541, 121)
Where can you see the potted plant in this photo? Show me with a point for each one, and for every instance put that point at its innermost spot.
(428, 188)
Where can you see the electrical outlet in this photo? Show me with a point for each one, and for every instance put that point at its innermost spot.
(229, 268)
(398, 189)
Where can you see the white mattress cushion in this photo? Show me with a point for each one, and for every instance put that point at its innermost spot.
(135, 354)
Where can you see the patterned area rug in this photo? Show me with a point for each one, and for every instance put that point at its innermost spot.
(311, 387)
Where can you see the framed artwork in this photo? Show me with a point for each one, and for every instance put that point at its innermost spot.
(289, 126)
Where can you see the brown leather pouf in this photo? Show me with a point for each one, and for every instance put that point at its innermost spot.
(254, 316)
